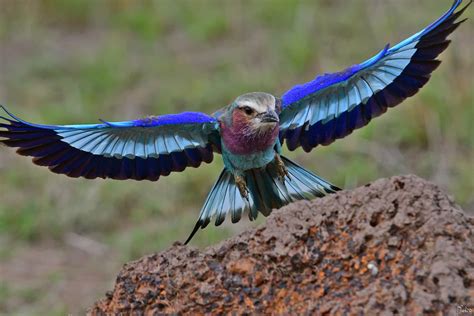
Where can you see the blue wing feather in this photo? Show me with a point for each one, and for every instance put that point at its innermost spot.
(299, 92)
(140, 149)
(346, 100)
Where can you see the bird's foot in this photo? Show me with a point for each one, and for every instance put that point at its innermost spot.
(242, 186)
(281, 168)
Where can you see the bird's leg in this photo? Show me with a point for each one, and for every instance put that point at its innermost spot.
(281, 168)
(241, 185)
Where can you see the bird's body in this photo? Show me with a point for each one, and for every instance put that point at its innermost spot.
(249, 132)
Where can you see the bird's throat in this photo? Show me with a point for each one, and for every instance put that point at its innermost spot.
(240, 139)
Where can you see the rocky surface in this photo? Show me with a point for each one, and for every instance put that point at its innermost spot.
(397, 245)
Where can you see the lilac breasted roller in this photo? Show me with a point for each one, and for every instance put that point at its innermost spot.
(248, 133)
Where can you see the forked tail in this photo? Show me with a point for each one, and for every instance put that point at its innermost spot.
(266, 192)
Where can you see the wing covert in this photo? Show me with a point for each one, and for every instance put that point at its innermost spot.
(143, 149)
(332, 105)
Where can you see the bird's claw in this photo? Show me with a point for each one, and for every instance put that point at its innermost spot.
(282, 171)
(242, 186)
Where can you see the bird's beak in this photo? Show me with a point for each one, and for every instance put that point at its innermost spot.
(269, 117)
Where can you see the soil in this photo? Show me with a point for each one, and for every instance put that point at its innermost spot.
(397, 245)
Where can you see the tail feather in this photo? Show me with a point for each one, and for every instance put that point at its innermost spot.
(266, 192)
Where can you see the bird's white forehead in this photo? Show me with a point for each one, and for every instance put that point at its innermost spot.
(259, 101)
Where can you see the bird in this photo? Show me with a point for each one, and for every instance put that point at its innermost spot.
(248, 133)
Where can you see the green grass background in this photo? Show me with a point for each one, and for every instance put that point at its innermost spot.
(64, 62)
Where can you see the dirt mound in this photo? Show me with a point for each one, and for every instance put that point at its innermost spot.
(396, 245)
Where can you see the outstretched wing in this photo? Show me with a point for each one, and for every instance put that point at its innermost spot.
(333, 105)
(143, 149)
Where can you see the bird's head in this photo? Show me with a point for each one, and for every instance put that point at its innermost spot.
(256, 110)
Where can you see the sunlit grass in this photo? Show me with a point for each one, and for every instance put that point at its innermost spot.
(164, 58)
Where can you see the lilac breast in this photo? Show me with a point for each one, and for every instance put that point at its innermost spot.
(240, 142)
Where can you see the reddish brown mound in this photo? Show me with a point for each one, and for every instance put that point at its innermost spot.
(398, 245)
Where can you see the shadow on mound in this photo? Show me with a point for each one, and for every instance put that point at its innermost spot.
(395, 245)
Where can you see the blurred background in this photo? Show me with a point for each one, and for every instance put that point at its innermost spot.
(63, 240)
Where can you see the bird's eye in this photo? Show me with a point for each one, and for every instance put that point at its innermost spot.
(248, 110)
